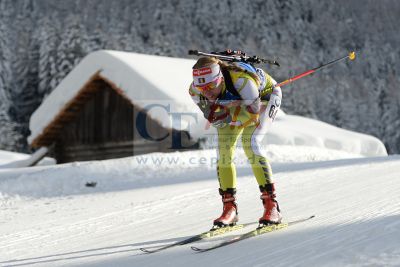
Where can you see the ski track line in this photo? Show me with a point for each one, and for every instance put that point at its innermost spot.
(109, 220)
(379, 208)
(348, 242)
(342, 242)
(344, 239)
(99, 225)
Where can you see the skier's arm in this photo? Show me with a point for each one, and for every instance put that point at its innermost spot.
(271, 94)
(272, 107)
(248, 90)
(219, 117)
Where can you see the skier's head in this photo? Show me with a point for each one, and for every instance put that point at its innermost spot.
(207, 77)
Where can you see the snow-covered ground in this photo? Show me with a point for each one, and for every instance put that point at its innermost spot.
(51, 216)
(10, 159)
(48, 217)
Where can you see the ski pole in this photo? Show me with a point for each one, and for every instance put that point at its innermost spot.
(351, 56)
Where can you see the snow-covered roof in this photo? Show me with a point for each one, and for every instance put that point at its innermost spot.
(140, 78)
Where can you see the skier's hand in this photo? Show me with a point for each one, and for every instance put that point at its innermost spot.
(255, 118)
(219, 124)
(223, 122)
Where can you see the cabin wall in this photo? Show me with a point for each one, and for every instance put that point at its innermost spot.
(106, 127)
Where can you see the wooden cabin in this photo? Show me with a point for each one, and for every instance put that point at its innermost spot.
(101, 122)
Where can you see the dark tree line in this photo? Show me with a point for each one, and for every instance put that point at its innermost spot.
(42, 40)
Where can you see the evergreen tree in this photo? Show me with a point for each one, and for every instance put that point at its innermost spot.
(72, 47)
(25, 65)
(48, 40)
(7, 131)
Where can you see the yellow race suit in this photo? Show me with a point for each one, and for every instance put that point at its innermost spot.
(249, 115)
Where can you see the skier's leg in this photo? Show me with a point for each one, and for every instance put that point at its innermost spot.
(252, 144)
(252, 138)
(227, 139)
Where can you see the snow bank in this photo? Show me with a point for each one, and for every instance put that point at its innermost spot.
(296, 130)
(50, 218)
(8, 156)
(13, 159)
(153, 169)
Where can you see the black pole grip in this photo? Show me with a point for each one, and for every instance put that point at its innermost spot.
(193, 52)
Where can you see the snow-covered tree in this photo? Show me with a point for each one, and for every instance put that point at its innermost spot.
(47, 40)
(72, 47)
(7, 130)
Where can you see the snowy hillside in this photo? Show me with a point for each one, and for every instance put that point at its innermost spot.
(50, 218)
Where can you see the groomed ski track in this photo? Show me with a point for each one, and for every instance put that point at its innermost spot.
(356, 203)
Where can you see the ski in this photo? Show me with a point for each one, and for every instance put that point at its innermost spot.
(258, 231)
(195, 238)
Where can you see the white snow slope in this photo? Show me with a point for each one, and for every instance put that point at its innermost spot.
(48, 217)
